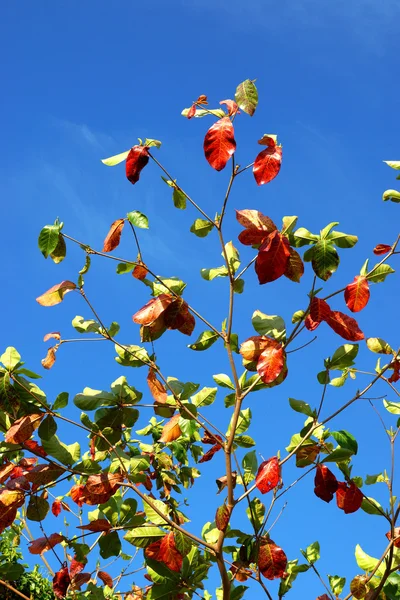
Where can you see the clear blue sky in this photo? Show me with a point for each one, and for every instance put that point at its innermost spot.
(83, 80)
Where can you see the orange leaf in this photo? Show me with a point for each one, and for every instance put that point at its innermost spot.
(22, 428)
(258, 227)
(113, 236)
(56, 507)
(43, 544)
(191, 111)
(272, 560)
(357, 294)
(43, 474)
(56, 294)
(268, 475)
(55, 335)
(169, 554)
(157, 388)
(97, 525)
(396, 537)
(171, 430)
(267, 164)
(345, 326)
(252, 348)
(140, 271)
(319, 309)
(10, 501)
(294, 267)
(50, 358)
(219, 143)
(222, 517)
(105, 578)
(271, 362)
(153, 309)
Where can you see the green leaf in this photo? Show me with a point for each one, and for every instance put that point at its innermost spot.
(205, 397)
(392, 195)
(326, 230)
(110, 545)
(256, 513)
(325, 259)
(10, 358)
(345, 440)
(301, 407)
(201, 228)
(210, 274)
(392, 407)
(86, 266)
(131, 356)
(364, 268)
(138, 219)
(200, 112)
(250, 465)
(59, 450)
(82, 326)
(246, 97)
(60, 251)
(11, 571)
(160, 573)
(298, 316)
(379, 346)
(123, 268)
(342, 240)
(150, 143)
(339, 455)
(230, 400)
(152, 515)
(238, 286)
(343, 357)
(116, 159)
(380, 478)
(288, 224)
(204, 341)
(37, 508)
(292, 570)
(49, 238)
(303, 237)
(244, 441)
(223, 380)
(372, 507)
(367, 563)
(166, 285)
(394, 164)
(92, 399)
(323, 377)
(392, 587)
(143, 536)
(243, 422)
(312, 552)
(336, 584)
(47, 428)
(179, 198)
(380, 273)
(269, 325)
(339, 381)
(233, 257)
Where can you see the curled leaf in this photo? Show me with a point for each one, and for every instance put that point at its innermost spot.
(157, 388)
(55, 335)
(325, 483)
(113, 236)
(382, 249)
(271, 362)
(231, 106)
(222, 517)
(56, 294)
(49, 359)
(43, 544)
(136, 160)
(257, 227)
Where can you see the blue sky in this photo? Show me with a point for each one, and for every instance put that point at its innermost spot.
(82, 81)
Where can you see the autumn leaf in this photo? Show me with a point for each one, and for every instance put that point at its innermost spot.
(325, 483)
(357, 294)
(231, 106)
(49, 359)
(348, 497)
(219, 143)
(35, 448)
(272, 258)
(345, 326)
(306, 455)
(359, 586)
(153, 309)
(22, 428)
(252, 348)
(246, 96)
(257, 227)
(382, 249)
(271, 362)
(56, 294)
(43, 544)
(55, 335)
(43, 474)
(76, 567)
(215, 448)
(157, 388)
(169, 554)
(103, 484)
(396, 542)
(171, 430)
(10, 501)
(294, 266)
(319, 309)
(61, 581)
(222, 517)
(136, 160)
(140, 271)
(310, 324)
(268, 475)
(267, 164)
(113, 237)
(56, 507)
(97, 526)
(191, 112)
(272, 560)
(105, 578)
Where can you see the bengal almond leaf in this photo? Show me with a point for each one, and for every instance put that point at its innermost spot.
(303, 237)
(49, 359)
(249, 464)
(204, 341)
(150, 143)
(49, 238)
(91, 399)
(43, 544)
(342, 240)
(256, 513)
(219, 143)
(367, 562)
(295, 267)
(201, 112)
(246, 97)
(272, 560)
(210, 274)
(43, 474)
(336, 584)
(306, 455)
(169, 553)
(22, 428)
(268, 475)
(392, 195)
(238, 286)
(205, 397)
(201, 228)
(138, 219)
(55, 335)
(394, 164)
(47, 428)
(356, 294)
(343, 357)
(379, 273)
(222, 517)
(345, 440)
(392, 407)
(183, 544)
(257, 227)
(382, 249)
(179, 198)
(301, 407)
(233, 257)
(267, 165)
(11, 571)
(339, 381)
(56, 294)
(113, 237)
(272, 258)
(379, 346)
(348, 497)
(298, 316)
(269, 325)
(171, 430)
(10, 358)
(223, 380)
(325, 484)
(153, 515)
(60, 251)
(271, 363)
(339, 455)
(137, 159)
(312, 552)
(319, 310)
(37, 508)
(116, 159)
(325, 259)
(345, 326)
(244, 441)
(231, 106)
(372, 507)
(157, 388)
(359, 586)
(105, 578)
(380, 478)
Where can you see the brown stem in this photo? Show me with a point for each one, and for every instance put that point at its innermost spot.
(13, 589)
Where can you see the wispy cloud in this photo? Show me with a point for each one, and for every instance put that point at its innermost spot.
(83, 134)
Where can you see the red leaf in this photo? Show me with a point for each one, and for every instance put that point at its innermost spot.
(136, 160)
(231, 106)
(382, 249)
(222, 517)
(157, 388)
(43, 544)
(210, 453)
(56, 335)
(56, 507)
(5, 471)
(191, 111)
(310, 324)
(271, 362)
(100, 488)
(348, 497)
(345, 326)
(396, 537)
(323, 597)
(153, 309)
(105, 578)
(268, 475)
(139, 272)
(357, 294)
(267, 164)
(43, 474)
(81, 579)
(171, 430)
(77, 493)
(258, 227)
(294, 267)
(22, 428)
(396, 371)
(319, 309)
(325, 483)
(153, 550)
(97, 525)
(272, 257)
(61, 582)
(252, 348)
(169, 554)
(113, 236)
(272, 560)
(76, 567)
(35, 448)
(219, 143)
